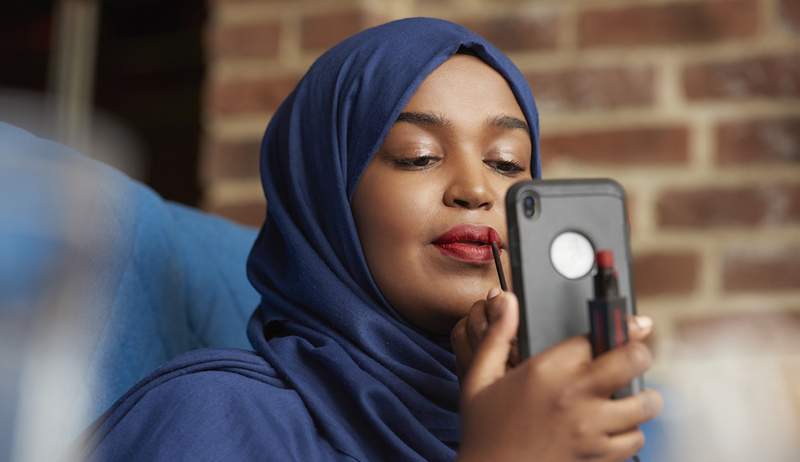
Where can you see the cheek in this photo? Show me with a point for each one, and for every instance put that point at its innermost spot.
(393, 213)
(396, 215)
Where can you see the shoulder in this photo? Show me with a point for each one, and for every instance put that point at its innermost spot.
(210, 405)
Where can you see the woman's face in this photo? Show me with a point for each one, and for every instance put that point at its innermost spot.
(432, 198)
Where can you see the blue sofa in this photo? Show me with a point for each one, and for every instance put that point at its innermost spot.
(164, 278)
(161, 278)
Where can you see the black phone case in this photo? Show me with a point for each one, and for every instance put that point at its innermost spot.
(553, 307)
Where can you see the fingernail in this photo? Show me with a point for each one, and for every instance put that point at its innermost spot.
(495, 310)
(494, 292)
(643, 322)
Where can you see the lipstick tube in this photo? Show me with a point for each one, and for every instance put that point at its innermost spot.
(608, 315)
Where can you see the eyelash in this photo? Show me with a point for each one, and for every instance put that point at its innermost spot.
(513, 167)
(410, 162)
(504, 167)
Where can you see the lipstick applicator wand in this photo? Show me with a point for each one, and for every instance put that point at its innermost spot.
(499, 266)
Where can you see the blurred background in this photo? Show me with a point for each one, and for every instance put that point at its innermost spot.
(693, 105)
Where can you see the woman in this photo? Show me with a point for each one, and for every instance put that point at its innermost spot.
(384, 173)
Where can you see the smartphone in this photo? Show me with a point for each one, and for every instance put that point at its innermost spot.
(554, 229)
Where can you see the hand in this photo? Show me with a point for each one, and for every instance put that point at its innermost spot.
(469, 332)
(555, 406)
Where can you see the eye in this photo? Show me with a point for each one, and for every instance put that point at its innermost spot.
(417, 162)
(506, 167)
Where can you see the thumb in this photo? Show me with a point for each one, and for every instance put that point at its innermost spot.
(491, 357)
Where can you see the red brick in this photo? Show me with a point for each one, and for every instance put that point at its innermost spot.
(759, 141)
(593, 88)
(736, 333)
(666, 273)
(232, 160)
(258, 95)
(748, 270)
(619, 147)
(775, 76)
(321, 31)
(790, 14)
(744, 206)
(516, 33)
(668, 24)
(248, 213)
(245, 41)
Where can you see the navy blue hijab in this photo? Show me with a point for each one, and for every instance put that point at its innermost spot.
(338, 365)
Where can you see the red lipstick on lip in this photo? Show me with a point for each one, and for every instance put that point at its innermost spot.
(469, 243)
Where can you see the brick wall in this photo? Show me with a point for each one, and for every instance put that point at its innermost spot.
(693, 105)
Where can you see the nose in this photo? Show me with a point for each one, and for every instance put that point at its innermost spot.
(468, 187)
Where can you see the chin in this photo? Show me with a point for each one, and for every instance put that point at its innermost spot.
(441, 298)
(442, 326)
(444, 317)
(436, 320)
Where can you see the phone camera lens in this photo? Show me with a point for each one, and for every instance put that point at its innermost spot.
(528, 206)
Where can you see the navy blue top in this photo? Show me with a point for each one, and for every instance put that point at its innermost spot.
(336, 374)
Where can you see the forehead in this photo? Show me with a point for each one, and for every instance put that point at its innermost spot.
(464, 85)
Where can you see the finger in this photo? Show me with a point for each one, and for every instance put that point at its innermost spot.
(565, 358)
(616, 368)
(622, 415)
(477, 323)
(624, 445)
(489, 360)
(461, 347)
(639, 327)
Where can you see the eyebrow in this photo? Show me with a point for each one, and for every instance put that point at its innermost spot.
(432, 119)
(509, 122)
(424, 118)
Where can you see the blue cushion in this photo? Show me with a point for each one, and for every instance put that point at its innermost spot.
(164, 278)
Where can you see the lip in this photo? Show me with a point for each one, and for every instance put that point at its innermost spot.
(469, 243)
